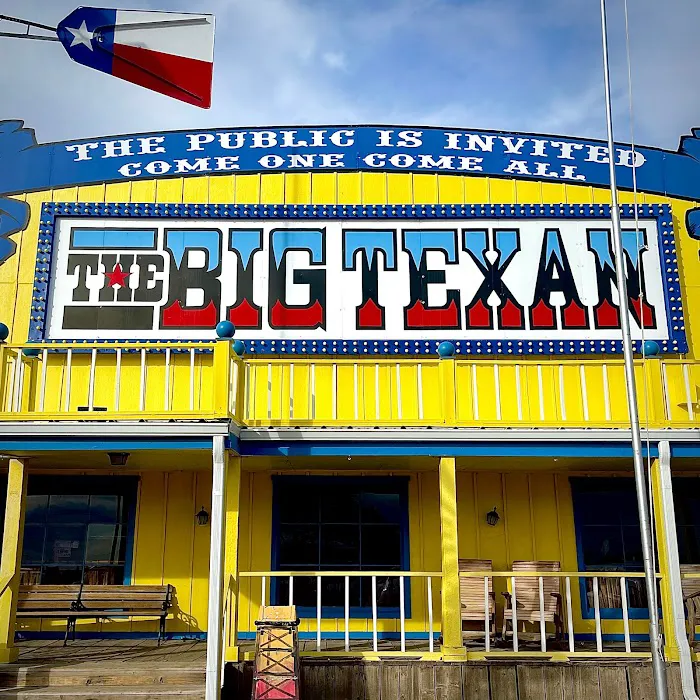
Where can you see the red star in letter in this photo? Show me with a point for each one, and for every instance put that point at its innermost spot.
(117, 276)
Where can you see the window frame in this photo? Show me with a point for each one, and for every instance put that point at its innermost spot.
(124, 486)
(386, 484)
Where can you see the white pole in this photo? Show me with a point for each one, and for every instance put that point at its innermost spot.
(658, 664)
(216, 566)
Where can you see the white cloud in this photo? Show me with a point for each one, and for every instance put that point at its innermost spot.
(335, 60)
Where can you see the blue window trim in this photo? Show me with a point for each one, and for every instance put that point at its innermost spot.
(126, 486)
(392, 484)
(587, 612)
(676, 343)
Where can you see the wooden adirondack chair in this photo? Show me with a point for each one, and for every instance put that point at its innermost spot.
(527, 596)
(691, 598)
(471, 593)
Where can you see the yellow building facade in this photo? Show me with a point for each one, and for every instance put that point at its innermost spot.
(379, 482)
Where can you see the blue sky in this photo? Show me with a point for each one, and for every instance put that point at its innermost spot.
(517, 65)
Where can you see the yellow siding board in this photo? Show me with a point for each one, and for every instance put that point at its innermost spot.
(518, 517)
(527, 192)
(450, 189)
(373, 188)
(272, 188)
(553, 192)
(544, 511)
(221, 189)
(143, 191)
(91, 193)
(399, 188)
(578, 194)
(116, 192)
(501, 191)
(195, 190)
(349, 188)
(425, 188)
(200, 555)
(20, 268)
(466, 511)
(476, 190)
(177, 566)
(247, 189)
(169, 191)
(348, 399)
(324, 188)
(297, 188)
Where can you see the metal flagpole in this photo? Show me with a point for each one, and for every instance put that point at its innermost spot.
(658, 663)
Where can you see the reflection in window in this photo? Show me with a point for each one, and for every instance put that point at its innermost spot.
(74, 537)
(347, 524)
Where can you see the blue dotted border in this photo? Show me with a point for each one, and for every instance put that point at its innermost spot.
(677, 342)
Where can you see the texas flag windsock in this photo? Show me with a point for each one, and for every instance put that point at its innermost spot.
(169, 52)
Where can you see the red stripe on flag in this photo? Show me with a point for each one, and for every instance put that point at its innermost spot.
(165, 73)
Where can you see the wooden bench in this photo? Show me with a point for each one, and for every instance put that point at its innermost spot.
(99, 602)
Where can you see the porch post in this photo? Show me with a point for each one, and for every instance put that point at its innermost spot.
(216, 560)
(231, 582)
(452, 646)
(11, 557)
(664, 520)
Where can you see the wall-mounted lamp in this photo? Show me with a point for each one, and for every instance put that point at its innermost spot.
(492, 517)
(202, 517)
(118, 459)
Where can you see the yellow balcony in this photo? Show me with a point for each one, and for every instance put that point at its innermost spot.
(207, 381)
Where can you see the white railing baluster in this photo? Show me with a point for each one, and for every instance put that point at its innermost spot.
(562, 393)
(497, 386)
(419, 381)
(291, 591)
(606, 393)
(318, 613)
(584, 391)
(374, 613)
(475, 393)
(518, 392)
(596, 612)
(263, 591)
(312, 393)
(667, 398)
(431, 641)
(376, 391)
(166, 393)
(20, 382)
(69, 372)
(515, 615)
(347, 612)
(540, 391)
(142, 402)
(625, 614)
(291, 390)
(42, 390)
(688, 395)
(487, 615)
(334, 390)
(569, 615)
(192, 379)
(10, 396)
(403, 613)
(355, 391)
(117, 378)
(91, 385)
(399, 407)
(543, 628)
(269, 390)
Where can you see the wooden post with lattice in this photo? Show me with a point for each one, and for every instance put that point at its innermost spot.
(276, 654)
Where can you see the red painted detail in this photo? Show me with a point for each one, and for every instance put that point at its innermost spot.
(574, 316)
(369, 315)
(244, 315)
(275, 689)
(420, 317)
(511, 315)
(117, 276)
(176, 316)
(647, 310)
(185, 79)
(479, 316)
(542, 315)
(282, 316)
(607, 315)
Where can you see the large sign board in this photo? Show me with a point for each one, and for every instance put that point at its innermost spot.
(493, 279)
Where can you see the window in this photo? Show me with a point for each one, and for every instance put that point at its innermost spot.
(608, 539)
(77, 529)
(340, 523)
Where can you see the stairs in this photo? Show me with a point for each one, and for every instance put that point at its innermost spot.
(101, 681)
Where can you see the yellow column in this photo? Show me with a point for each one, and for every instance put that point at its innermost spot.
(233, 499)
(222, 377)
(11, 557)
(446, 375)
(670, 639)
(453, 648)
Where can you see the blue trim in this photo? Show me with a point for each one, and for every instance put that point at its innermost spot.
(676, 343)
(389, 484)
(451, 448)
(101, 444)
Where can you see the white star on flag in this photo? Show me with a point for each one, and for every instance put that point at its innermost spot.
(81, 36)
